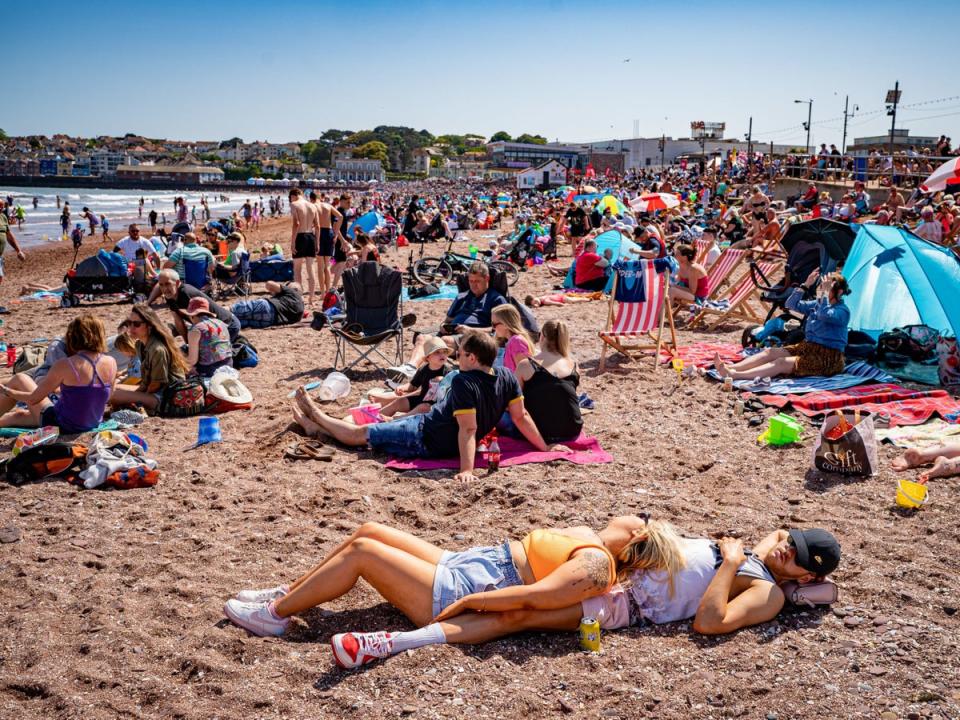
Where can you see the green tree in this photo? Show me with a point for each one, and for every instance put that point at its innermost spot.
(501, 135)
(532, 139)
(3, 134)
(373, 150)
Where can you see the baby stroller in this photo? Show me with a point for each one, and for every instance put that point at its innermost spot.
(103, 274)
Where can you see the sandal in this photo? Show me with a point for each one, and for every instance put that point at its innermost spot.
(309, 450)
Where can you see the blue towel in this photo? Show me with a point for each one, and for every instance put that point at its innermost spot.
(855, 373)
(447, 292)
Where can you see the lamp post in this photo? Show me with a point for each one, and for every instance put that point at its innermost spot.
(806, 125)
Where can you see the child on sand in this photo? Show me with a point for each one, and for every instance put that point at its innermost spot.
(418, 395)
(556, 299)
(945, 459)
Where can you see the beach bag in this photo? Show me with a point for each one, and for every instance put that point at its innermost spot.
(30, 357)
(823, 592)
(422, 291)
(183, 398)
(948, 357)
(59, 459)
(846, 444)
(244, 353)
(917, 342)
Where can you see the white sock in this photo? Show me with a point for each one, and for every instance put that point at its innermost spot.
(431, 634)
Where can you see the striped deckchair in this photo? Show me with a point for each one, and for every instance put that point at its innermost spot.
(718, 274)
(737, 301)
(703, 247)
(638, 306)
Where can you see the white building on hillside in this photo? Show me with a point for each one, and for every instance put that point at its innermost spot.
(552, 173)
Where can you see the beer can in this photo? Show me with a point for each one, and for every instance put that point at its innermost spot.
(590, 634)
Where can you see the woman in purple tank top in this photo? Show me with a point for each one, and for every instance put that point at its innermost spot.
(82, 382)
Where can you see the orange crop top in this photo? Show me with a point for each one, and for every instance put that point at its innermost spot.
(547, 550)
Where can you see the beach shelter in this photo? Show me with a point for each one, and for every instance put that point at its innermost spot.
(613, 240)
(366, 222)
(946, 177)
(897, 279)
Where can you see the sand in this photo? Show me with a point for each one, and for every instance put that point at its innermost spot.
(111, 600)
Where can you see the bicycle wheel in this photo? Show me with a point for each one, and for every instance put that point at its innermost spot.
(433, 271)
(508, 269)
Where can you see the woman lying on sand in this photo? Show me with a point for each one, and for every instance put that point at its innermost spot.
(549, 568)
(944, 458)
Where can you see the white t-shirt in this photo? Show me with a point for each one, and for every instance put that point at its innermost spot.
(128, 246)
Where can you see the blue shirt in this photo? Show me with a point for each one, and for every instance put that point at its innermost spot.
(473, 311)
(826, 323)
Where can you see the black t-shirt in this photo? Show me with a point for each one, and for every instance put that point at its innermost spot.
(596, 219)
(186, 292)
(577, 218)
(288, 305)
(421, 379)
(488, 394)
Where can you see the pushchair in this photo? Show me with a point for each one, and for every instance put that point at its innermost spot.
(103, 274)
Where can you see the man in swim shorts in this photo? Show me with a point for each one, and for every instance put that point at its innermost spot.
(303, 238)
(330, 221)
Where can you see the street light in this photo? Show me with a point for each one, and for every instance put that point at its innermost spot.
(806, 125)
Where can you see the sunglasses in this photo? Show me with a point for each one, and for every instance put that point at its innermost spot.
(136, 323)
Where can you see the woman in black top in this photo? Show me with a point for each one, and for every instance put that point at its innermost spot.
(549, 383)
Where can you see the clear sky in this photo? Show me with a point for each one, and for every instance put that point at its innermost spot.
(280, 70)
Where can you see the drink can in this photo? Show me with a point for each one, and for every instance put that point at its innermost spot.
(590, 634)
(738, 408)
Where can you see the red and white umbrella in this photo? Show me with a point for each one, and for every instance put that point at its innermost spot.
(654, 201)
(946, 177)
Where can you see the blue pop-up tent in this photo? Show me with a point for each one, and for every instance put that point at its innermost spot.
(897, 279)
(367, 222)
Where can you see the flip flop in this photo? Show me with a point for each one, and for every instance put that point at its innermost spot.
(309, 450)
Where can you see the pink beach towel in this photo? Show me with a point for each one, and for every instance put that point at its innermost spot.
(701, 354)
(586, 451)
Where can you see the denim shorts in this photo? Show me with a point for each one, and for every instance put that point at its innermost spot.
(475, 570)
(401, 438)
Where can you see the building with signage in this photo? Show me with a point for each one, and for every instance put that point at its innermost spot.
(548, 175)
(528, 155)
(188, 175)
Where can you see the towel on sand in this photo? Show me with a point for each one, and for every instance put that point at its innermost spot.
(447, 292)
(586, 451)
(856, 373)
(701, 354)
(936, 432)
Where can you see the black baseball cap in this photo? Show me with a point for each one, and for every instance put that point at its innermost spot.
(817, 550)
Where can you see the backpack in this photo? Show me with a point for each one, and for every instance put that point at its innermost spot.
(244, 353)
(916, 342)
(183, 398)
(59, 459)
(30, 357)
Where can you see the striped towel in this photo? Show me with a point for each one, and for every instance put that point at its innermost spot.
(855, 373)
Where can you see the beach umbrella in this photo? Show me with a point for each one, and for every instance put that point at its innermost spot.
(946, 178)
(836, 237)
(609, 201)
(650, 202)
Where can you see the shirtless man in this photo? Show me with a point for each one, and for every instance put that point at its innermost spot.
(343, 251)
(766, 236)
(329, 222)
(304, 231)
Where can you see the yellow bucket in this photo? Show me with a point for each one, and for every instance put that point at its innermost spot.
(911, 494)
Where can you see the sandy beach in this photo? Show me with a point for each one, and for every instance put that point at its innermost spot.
(112, 601)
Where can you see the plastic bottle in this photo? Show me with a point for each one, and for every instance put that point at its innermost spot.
(493, 455)
(11, 355)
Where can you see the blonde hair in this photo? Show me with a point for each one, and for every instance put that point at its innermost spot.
(556, 337)
(509, 316)
(657, 546)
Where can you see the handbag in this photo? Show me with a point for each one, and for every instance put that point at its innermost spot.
(822, 592)
(183, 398)
(851, 452)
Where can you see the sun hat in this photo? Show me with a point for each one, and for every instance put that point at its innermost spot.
(225, 387)
(432, 344)
(198, 306)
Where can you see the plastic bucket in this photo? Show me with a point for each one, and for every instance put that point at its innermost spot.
(911, 494)
(366, 414)
(335, 385)
(783, 430)
(208, 430)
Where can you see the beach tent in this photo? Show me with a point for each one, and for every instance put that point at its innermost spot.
(610, 201)
(366, 222)
(614, 240)
(897, 279)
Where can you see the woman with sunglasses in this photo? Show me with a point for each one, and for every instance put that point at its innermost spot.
(82, 382)
(513, 340)
(722, 586)
(161, 362)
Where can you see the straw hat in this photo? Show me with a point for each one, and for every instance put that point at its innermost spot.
(198, 306)
(433, 344)
(229, 389)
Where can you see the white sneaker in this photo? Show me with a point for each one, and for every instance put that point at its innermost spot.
(262, 596)
(258, 618)
(352, 650)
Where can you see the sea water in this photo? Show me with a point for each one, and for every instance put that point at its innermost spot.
(120, 207)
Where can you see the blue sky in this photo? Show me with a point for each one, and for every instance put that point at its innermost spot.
(288, 70)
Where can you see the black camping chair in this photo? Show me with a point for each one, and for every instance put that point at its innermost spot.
(371, 325)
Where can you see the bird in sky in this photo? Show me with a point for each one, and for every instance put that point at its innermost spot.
(627, 60)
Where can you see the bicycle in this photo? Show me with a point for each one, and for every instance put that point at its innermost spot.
(439, 270)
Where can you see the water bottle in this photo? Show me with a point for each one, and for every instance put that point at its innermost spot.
(11, 355)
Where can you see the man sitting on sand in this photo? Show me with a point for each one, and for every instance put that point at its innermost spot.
(478, 396)
(178, 295)
(283, 307)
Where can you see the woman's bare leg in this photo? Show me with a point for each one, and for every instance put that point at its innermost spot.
(780, 366)
(942, 467)
(475, 628)
(21, 382)
(404, 580)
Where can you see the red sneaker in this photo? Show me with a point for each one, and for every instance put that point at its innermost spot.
(352, 650)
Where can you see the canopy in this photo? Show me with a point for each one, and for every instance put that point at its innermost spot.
(654, 201)
(946, 178)
(897, 279)
(836, 237)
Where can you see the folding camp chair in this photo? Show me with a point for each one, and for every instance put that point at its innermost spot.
(371, 326)
(195, 273)
(238, 283)
(738, 299)
(638, 306)
(719, 273)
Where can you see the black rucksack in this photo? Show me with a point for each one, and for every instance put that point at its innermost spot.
(59, 459)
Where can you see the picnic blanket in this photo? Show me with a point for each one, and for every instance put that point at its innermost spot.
(586, 451)
(936, 432)
(895, 403)
(447, 292)
(701, 354)
(855, 373)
